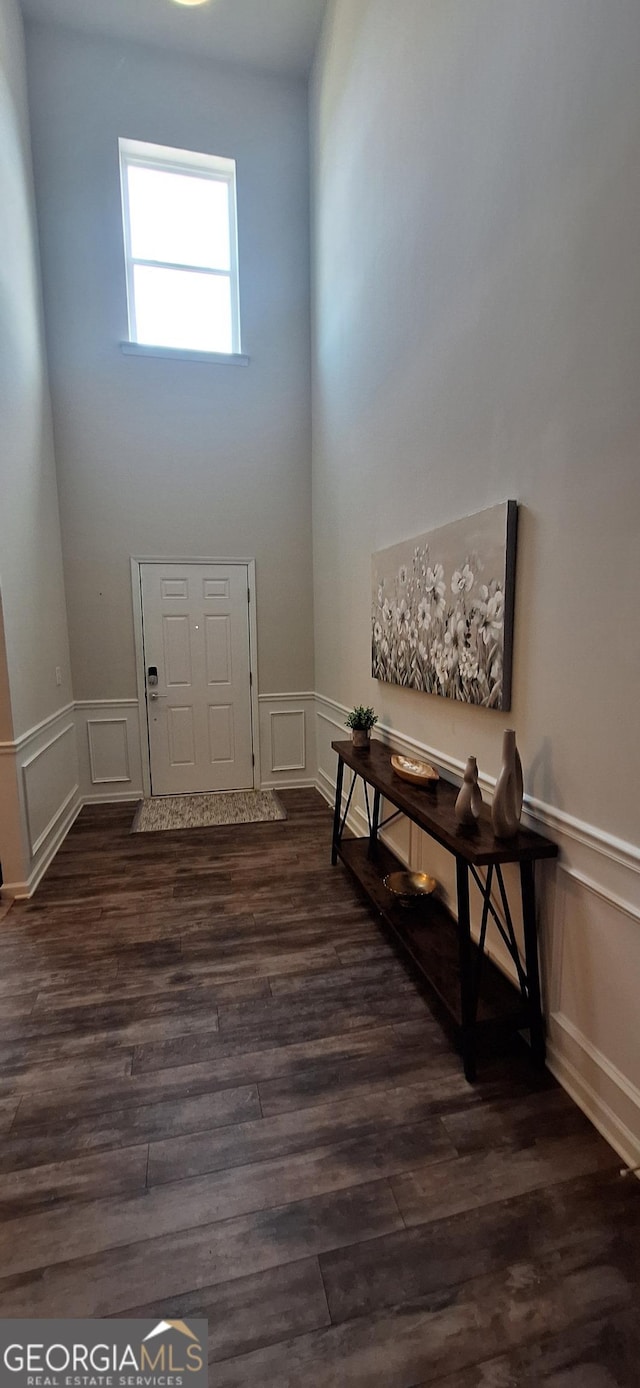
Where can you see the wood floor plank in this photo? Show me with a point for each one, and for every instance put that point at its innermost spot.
(298, 1131)
(217, 1196)
(516, 1122)
(107, 1283)
(21, 1076)
(8, 1110)
(596, 1354)
(35, 1144)
(587, 1216)
(105, 1174)
(129, 996)
(418, 1342)
(482, 1178)
(16, 1005)
(251, 1312)
(74, 1098)
(384, 1071)
(130, 1016)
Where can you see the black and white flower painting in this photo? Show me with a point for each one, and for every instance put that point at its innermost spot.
(442, 618)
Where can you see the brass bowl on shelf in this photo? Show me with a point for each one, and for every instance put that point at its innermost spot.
(420, 773)
(410, 887)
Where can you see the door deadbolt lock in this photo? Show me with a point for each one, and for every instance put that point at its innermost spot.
(152, 676)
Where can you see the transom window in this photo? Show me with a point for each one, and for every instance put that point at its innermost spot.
(180, 239)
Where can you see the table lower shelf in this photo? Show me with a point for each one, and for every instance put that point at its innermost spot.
(429, 934)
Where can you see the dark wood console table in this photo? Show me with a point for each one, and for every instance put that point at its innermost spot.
(473, 991)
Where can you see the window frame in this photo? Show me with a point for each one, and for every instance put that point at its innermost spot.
(211, 167)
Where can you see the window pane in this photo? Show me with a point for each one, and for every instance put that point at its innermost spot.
(178, 217)
(180, 308)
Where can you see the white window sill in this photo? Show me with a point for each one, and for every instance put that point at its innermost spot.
(140, 349)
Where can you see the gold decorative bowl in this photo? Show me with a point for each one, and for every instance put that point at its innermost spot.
(420, 773)
(409, 887)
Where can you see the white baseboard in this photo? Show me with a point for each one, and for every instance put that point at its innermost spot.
(113, 797)
(20, 891)
(588, 1076)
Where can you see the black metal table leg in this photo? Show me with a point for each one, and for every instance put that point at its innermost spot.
(536, 1020)
(337, 813)
(373, 830)
(466, 973)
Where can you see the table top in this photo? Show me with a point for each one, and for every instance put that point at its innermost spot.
(432, 809)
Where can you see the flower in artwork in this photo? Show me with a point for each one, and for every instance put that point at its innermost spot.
(462, 581)
(403, 575)
(424, 614)
(402, 618)
(413, 635)
(377, 633)
(434, 582)
(386, 611)
(491, 611)
(454, 632)
(468, 664)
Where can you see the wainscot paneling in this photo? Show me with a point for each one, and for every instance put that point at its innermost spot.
(109, 749)
(40, 793)
(287, 740)
(590, 936)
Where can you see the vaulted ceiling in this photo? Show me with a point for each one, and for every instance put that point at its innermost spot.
(277, 36)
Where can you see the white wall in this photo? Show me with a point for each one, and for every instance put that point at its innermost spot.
(477, 337)
(38, 778)
(161, 457)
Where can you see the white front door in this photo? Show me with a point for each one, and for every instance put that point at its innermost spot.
(195, 621)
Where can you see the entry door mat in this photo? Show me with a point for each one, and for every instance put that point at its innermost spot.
(207, 811)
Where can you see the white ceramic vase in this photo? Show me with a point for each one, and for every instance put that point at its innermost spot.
(467, 806)
(507, 798)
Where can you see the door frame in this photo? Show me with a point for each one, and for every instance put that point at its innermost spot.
(136, 594)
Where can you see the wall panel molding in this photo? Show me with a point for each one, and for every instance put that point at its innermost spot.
(288, 740)
(41, 787)
(42, 782)
(109, 750)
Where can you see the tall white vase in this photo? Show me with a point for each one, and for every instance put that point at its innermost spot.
(507, 798)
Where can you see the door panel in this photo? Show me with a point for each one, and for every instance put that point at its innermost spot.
(218, 642)
(221, 741)
(196, 632)
(177, 651)
(182, 743)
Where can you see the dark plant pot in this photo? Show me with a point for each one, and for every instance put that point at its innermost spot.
(361, 738)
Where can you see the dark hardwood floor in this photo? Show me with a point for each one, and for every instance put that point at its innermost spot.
(222, 1094)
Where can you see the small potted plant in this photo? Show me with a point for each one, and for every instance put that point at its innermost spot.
(361, 720)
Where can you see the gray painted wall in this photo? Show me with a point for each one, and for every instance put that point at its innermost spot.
(33, 605)
(163, 457)
(478, 338)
